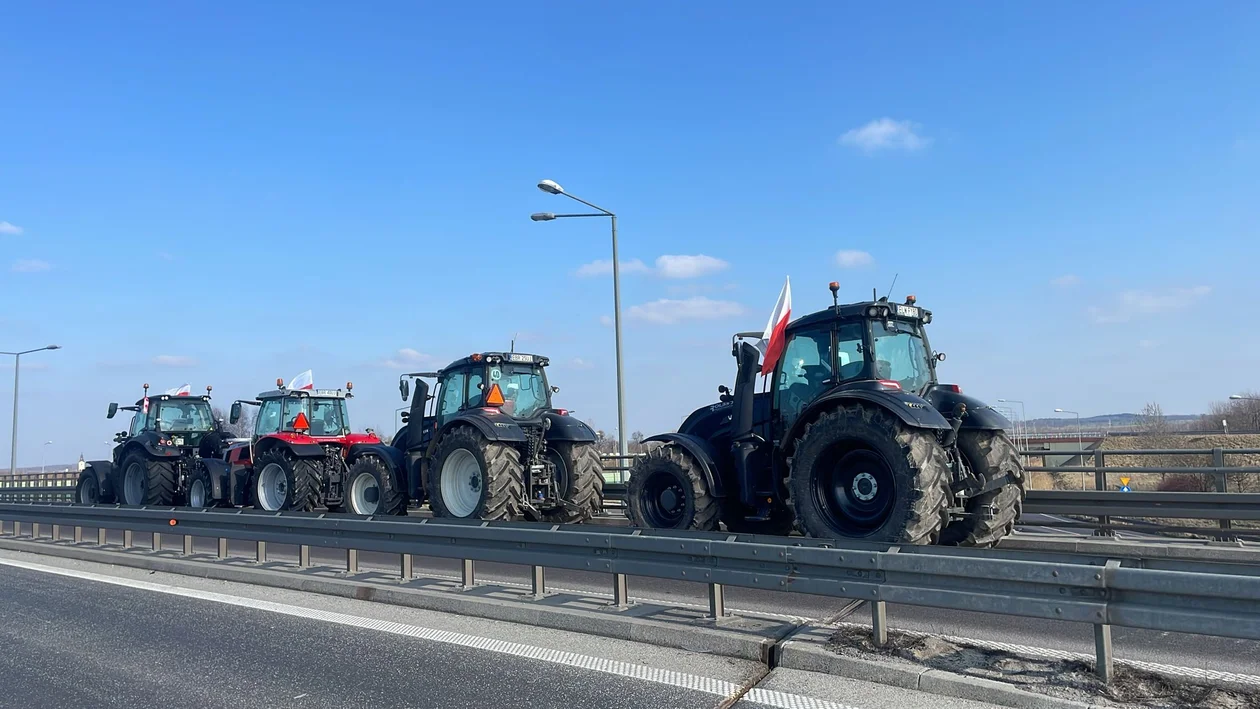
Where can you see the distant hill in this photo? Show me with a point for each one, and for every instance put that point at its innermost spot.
(1103, 422)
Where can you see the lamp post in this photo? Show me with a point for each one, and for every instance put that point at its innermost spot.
(17, 361)
(1080, 446)
(1240, 397)
(44, 458)
(550, 187)
(1023, 416)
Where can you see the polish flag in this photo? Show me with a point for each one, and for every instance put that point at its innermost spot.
(303, 381)
(144, 409)
(185, 390)
(773, 339)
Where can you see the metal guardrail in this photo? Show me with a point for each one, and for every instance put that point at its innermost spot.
(38, 487)
(1202, 597)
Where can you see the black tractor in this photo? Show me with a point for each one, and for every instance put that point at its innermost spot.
(853, 438)
(173, 439)
(493, 447)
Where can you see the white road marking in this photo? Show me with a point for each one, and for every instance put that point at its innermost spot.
(707, 685)
(1049, 653)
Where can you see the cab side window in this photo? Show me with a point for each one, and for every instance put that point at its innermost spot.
(452, 395)
(804, 372)
(268, 420)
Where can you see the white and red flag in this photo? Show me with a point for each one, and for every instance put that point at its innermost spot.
(303, 381)
(772, 340)
(185, 390)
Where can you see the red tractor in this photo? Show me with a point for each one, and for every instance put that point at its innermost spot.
(303, 455)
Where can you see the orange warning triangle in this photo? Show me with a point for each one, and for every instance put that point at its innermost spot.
(495, 396)
(300, 423)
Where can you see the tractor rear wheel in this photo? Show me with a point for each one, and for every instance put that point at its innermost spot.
(991, 455)
(579, 480)
(668, 491)
(146, 481)
(473, 478)
(281, 482)
(200, 492)
(371, 489)
(859, 472)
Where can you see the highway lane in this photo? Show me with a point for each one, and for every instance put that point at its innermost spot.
(81, 634)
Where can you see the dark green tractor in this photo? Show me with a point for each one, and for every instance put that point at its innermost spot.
(493, 447)
(853, 437)
(173, 439)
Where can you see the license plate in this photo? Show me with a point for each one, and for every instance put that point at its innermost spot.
(907, 311)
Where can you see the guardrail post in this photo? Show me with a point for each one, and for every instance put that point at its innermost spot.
(407, 570)
(34, 530)
(717, 601)
(56, 533)
(1100, 483)
(188, 550)
(157, 541)
(879, 623)
(304, 556)
(127, 538)
(1222, 481)
(78, 535)
(260, 552)
(539, 582)
(17, 528)
(100, 536)
(222, 548)
(1104, 663)
(468, 574)
(352, 561)
(621, 591)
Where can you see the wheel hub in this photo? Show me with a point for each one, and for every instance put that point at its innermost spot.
(865, 486)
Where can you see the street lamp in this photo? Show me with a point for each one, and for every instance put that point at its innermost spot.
(1080, 446)
(17, 360)
(44, 458)
(550, 187)
(1240, 397)
(1023, 416)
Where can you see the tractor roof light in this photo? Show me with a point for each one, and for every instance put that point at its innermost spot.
(349, 386)
(890, 384)
(476, 356)
(280, 382)
(911, 300)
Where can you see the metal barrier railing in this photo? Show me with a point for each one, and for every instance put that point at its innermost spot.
(1186, 596)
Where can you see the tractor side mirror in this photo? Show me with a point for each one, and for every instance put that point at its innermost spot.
(555, 390)
(235, 414)
(404, 388)
(113, 409)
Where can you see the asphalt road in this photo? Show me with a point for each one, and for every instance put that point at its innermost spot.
(80, 634)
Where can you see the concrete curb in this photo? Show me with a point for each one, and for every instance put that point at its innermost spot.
(738, 637)
(808, 655)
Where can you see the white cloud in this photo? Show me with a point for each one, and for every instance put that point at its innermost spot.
(407, 358)
(1066, 281)
(174, 361)
(604, 268)
(579, 363)
(885, 134)
(30, 265)
(670, 266)
(848, 258)
(670, 312)
(1138, 303)
(606, 320)
(7, 228)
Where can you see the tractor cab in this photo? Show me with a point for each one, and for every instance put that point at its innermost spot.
(304, 413)
(177, 419)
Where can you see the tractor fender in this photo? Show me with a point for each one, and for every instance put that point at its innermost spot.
(220, 478)
(701, 451)
(568, 428)
(912, 410)
(400, 440)
(491, 423)
(298, 450)
(104, 472)
(395, 459)
(148, 441)
(980, 416)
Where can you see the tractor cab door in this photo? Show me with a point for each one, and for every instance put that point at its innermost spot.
(452, 395)
(815, 360)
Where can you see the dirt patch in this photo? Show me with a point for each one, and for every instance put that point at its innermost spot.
(1064, 679)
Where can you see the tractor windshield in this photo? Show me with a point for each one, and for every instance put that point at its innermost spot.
(524, 389)
(900, 355)
(185, 416)
(326, 416)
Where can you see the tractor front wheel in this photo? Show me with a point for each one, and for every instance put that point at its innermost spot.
(668, 491)
(473, 478)
(200, 492)
(859, 472)
(579, 480)
(372, 490)
(87, 491)
(147, 482)
(992, 514)
(284, 483)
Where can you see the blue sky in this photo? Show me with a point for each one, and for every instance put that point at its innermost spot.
(229, 193)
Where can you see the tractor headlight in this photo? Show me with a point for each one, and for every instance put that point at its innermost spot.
(872, 312)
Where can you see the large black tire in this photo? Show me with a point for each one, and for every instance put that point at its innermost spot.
(991, 455)
(580, 478)
(371, 489)
(667, 490)
(841, 469)
(200, 491)
(87, 491)
(496, 483)
(300, 483)
(155, 486)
